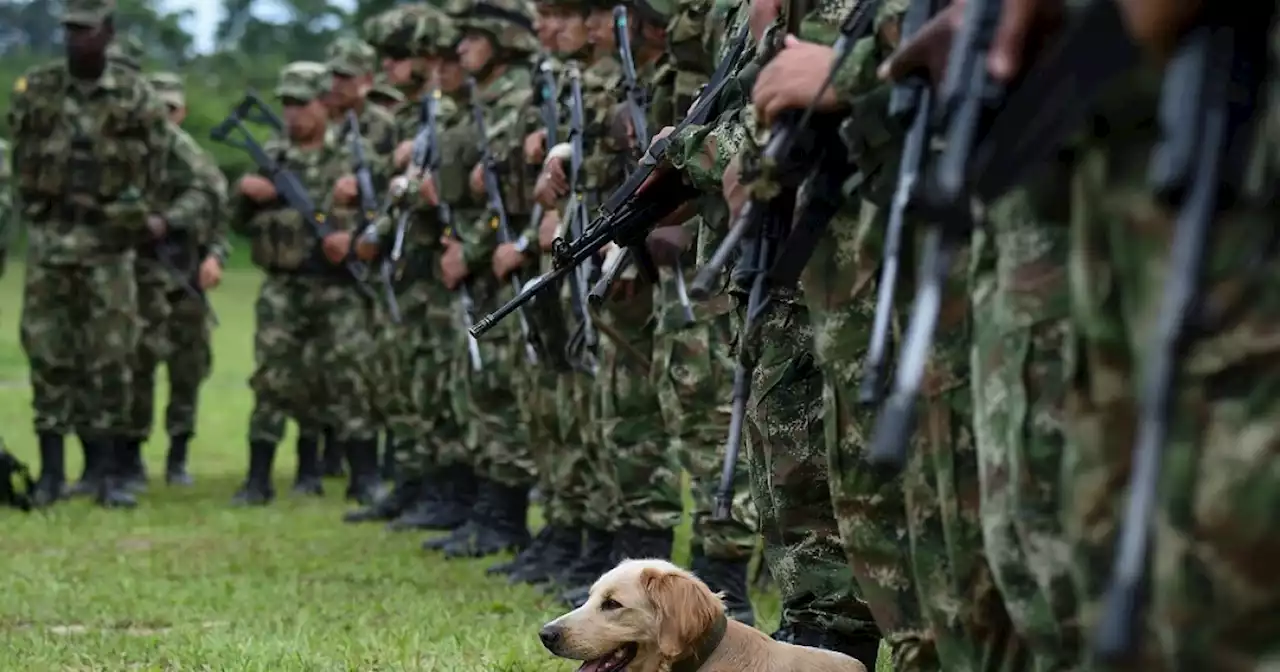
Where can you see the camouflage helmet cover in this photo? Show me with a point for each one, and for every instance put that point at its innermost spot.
(509, 22)
(304, 81)
(351, 57)
(87, 13)
(413, 30)
(168, 87)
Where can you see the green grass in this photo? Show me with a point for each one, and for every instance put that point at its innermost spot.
(186, 583)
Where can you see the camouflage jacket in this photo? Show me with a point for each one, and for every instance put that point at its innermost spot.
(280, 241)
(378, 126)
(89, 159)
(195, 214)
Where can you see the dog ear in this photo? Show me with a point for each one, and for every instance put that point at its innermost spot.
(686, 609)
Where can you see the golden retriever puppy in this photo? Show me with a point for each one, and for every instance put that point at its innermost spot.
(651, 616)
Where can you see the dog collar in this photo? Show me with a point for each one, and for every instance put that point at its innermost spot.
(706, 646)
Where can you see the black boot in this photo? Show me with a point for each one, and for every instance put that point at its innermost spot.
(502, 522)
(133, 470)
(595, 559)
(728, 577)
(632, 543)
(113, 491)
(53, 470)
(457, 494)
(532, 551)
(91, 476)
(465, 533)
(865, 650)
(425, 500)
(387, 467)
(257, 489)
(309, 477)
(175, 463)
(389, 505)
(563, 545)
(332, 455)
(363, 482)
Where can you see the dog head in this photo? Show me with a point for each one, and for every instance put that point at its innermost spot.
(641, 614)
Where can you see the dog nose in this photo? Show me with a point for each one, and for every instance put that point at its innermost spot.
(550, 635)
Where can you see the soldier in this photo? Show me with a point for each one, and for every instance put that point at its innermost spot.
(386, 96)
(205, 248)
(89, 203)
(496, 45)
(313, 331)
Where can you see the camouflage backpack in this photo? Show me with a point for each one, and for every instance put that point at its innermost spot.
(16, 484)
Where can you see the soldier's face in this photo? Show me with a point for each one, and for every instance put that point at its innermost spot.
(346, 91)
(398, 71)
(177, 114)
(573, 33)
(87, 42)
(600, 30)
(305, 119)
(451, 76)
(547, 24)
(474, 52)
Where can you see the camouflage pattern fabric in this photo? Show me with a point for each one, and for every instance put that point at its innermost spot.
(190, 361)
(86, 206)
(8, 214)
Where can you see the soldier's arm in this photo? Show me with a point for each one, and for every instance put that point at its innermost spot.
(478, 248)
(702, 153)
(197, 203)
(215, 184)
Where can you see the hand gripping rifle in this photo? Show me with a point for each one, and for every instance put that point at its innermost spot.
(287, 185)
(545, 96)
(584, 340)
(498, 214)
(1211, 90)
(368, 202)
(629, 214)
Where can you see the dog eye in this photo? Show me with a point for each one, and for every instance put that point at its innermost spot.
(610, 605)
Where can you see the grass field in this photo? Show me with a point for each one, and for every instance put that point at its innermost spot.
(185, 582)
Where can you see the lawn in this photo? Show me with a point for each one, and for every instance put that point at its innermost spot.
(185, 582)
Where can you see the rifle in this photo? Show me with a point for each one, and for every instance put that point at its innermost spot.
(288, 187)
(368, 202)
(165, 255)
(629, 214)
(545, 96)
(498, 213)
(1210, 92)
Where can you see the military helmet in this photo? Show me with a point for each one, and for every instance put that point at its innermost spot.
(508, 22)
(412, 30)
(304, 81)
(127, 51)
(169, 88)
(351, 57)
(87, 13)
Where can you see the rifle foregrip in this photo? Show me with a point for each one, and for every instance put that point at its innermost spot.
(870, 388)
(724, 508)
(892, 432)
(1115, 634)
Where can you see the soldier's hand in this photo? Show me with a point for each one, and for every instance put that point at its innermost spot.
(367, 248)
(336, 246)
(792, 79)
(210, 273)
(506, 259)
(552, 184)
(345, 190)
(403, 152)
(257, 189)
(157, 226)
(535, 147)
(427, 190)
(763, 13)
(663, 166)
(735, 194)
(453, 268)
(666, 245)
(548, 228)
(477, 181)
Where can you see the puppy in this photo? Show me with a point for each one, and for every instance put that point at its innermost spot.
(651, 616)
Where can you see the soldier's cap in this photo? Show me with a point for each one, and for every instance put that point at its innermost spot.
(87, 13)
(497, 10)
(127, 51)
(508, 22)
(304, 81)
(351, 57)
(169, 89)
(383, 92)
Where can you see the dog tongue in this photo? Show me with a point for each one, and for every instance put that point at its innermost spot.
(594, 665)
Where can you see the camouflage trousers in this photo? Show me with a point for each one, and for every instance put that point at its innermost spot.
(693, 369)
(1020, 310)
(1213, 602)
(312, 358)
(495, 437)
(154, 346)
(555, 404)
(634, 468)
(190, 360)
(79, 330)
(788, 468)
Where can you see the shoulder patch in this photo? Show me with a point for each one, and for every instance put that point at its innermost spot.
(20, 85)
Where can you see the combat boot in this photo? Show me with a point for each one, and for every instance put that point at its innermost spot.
(561, 547)
(597, 551)
(865, 650)
(175, 462)
(308, 480)
(53, 470)
(91, 475)
(387, 466)
(457, 495)
(363, 481)
(388, 505)
(113, 491)
(134, 471)
(332, 455)
(257, 489)
(427, 497)
(524, 557)
(502, 522)
(729, 578)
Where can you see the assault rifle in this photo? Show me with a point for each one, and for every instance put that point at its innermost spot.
(498, 215)
(368, 201)
(584, 340)
(629, 214)
(288, 187)
(166, 253)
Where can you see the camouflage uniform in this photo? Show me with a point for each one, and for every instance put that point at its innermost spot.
(314, 328)
(86, 202)
(501, 454)
(386, 96)
(174, 314)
